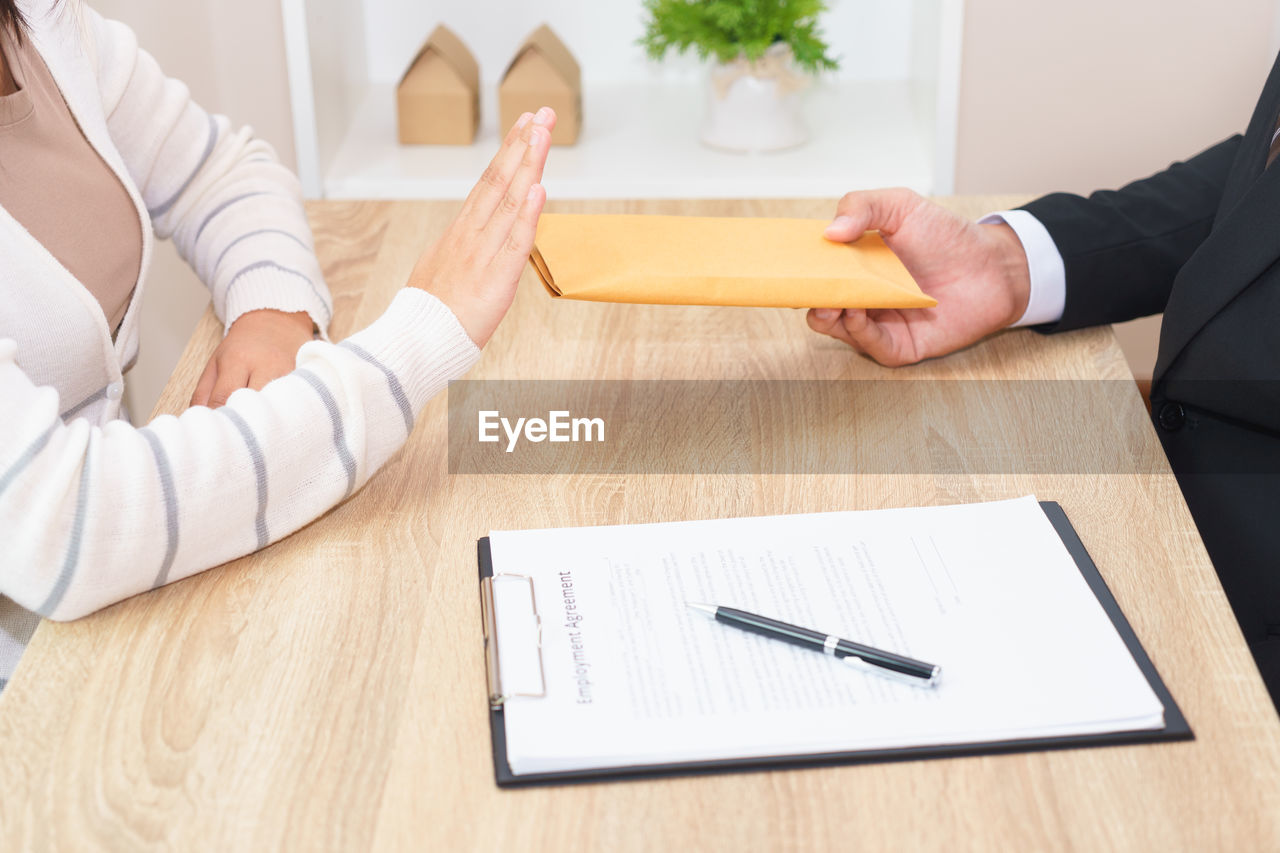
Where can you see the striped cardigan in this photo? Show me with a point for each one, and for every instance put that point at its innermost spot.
(93, 510)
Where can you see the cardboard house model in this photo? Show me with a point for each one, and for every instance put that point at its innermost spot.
(543, 73)
(438, 99)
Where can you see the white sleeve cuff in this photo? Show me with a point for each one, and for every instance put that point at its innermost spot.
(1044, 261)
(270, 286)
(421, 342)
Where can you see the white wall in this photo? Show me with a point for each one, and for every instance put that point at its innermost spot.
(1095, 93)
(231, 55)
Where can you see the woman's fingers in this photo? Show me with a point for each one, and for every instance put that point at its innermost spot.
(494, 183)
(476, 265)
(232, 377)
(518, 243)
(205, 386)
(221, 378)
(514, 200)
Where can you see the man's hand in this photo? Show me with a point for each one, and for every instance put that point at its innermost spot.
(978, 274)
(259, 346)
(475, 266)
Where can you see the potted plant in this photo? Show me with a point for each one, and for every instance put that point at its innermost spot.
(758, 47)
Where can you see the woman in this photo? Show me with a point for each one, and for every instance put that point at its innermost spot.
(97, 149)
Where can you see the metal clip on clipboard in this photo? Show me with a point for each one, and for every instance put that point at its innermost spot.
(497, 694)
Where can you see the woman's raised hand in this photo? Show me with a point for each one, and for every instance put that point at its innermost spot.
(475, 266)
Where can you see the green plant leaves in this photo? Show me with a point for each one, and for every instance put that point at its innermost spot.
(727, 29)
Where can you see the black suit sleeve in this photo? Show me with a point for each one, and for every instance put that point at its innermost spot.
(1122, 248)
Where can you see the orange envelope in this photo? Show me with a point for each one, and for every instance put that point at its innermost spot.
(695, 260)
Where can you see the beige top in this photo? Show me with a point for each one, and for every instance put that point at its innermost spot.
(55, 184)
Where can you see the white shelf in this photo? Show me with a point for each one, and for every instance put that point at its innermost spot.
(639, 140)
(888, 118)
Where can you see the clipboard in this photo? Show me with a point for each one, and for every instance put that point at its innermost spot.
(1175, 728)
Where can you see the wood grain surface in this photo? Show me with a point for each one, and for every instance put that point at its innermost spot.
(328, 692)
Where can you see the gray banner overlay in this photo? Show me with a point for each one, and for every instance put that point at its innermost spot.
(813, 427)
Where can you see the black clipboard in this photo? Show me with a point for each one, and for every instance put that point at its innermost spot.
(1175, 728)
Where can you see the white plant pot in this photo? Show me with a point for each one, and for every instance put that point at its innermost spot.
(752, 114)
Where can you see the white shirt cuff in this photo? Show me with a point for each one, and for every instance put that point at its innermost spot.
(1044, 261)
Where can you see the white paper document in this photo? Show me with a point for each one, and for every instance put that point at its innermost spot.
(634, 677)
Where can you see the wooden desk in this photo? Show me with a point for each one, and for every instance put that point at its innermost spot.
(329, 691)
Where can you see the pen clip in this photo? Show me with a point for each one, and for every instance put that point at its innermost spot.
(855, 662)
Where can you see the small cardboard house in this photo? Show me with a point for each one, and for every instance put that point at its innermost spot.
(438, 99)
(543, 73)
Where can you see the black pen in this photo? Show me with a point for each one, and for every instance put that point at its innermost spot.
(846, 651)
